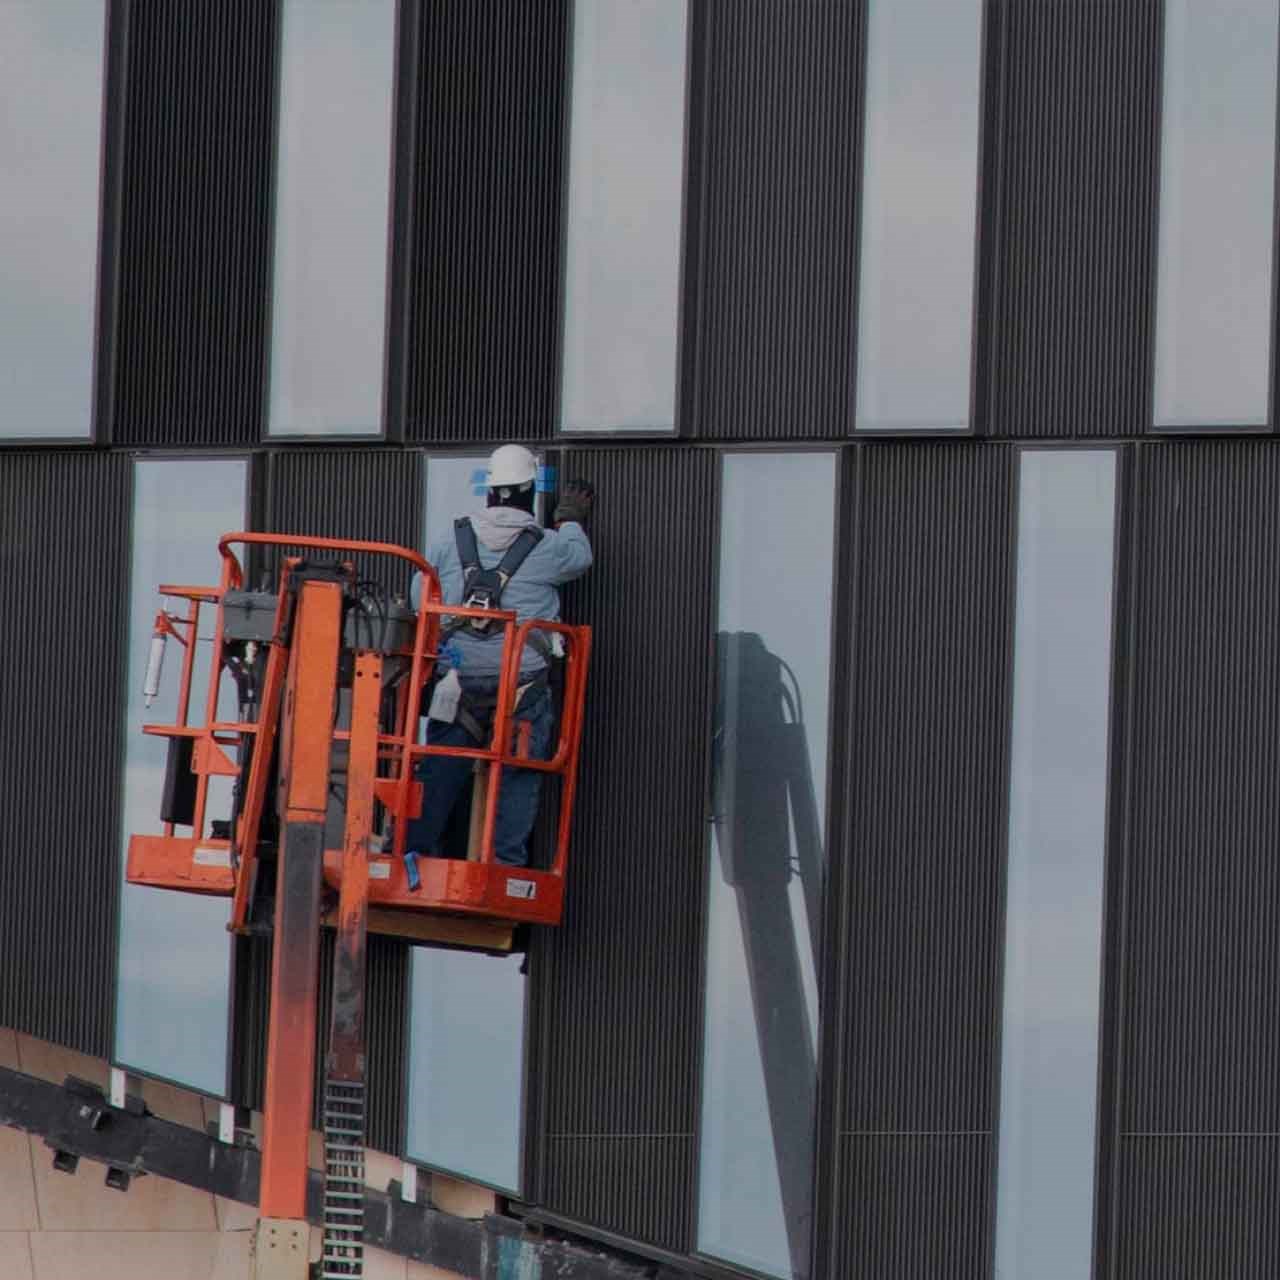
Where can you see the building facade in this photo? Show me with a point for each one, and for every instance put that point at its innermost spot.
(923, 908)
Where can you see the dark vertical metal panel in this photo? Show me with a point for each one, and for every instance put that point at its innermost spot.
(1072, 305)
(404, 168)
(772, 310)
(370, 495)
(921, 911)
(1198, 1108)
(113, 117)
(1199, 1206)
(193, 253)
(386, 999)
(1120, 772)
(830, 1146)
(252, 978)
(64, 562)
(990, 173)
(915, 1196)
(483, 236)
(692, 229)
(617, 998)
(1203, 964)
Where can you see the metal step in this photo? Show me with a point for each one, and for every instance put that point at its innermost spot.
(343, 1111)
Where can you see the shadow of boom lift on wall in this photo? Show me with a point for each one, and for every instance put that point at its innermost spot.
(763, 794)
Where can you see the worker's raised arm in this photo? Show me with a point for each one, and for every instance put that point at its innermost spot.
(569, 541)
(572, 550)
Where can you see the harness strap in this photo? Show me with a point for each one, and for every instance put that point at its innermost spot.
(477, 726)
(486, 586)
(464, 536)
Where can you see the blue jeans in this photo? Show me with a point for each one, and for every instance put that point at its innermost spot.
(444, 778)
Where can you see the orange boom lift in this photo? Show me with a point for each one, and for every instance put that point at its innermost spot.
(330, 673)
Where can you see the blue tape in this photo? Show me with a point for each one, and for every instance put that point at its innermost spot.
(544, 482)
(411, 871)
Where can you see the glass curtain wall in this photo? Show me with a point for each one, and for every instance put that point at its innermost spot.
(1057, 858)
(174, 953)
(919, 214)
(1217, 213)
(626, 192)
(51, 83)
(767, 861)
(455, 487)
(337, 68)
(466, 1011)
(466, 1065)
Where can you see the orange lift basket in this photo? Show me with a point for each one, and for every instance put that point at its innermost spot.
(330, 673)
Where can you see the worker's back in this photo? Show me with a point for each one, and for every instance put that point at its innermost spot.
(559, 556)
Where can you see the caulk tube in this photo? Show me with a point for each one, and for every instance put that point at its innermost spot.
(155, 661)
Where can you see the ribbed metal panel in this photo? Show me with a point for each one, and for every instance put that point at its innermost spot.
(616, 989)
(1072, 309)
(249, 1026)
(1197, 1173)
(769, 318)
(1120, 749)
(921, 919)
(387, 999)
(1199, 1112)
(1203, 1206)
(483, 226)
(366, 494)
(1202, 991)
(64, 561)
(914, 1212)
(194, 221)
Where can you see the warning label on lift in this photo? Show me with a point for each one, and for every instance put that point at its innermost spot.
(521, 889)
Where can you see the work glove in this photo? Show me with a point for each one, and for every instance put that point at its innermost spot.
(576, 499)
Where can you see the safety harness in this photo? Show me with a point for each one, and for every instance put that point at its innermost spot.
(482, 589)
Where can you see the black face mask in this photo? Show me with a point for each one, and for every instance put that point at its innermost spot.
(519, 498)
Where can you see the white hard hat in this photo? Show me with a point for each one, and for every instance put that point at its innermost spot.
(512, 466)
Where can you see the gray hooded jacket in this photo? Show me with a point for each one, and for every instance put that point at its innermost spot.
(533, 592)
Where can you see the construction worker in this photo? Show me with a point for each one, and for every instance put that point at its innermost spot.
(499, 558)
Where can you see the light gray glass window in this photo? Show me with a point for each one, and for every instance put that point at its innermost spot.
(51, 71)
(332, 191)
(455, 487)
(626, 189)
(767, 863)
(466, 1065)
(919, 214)
(1217, 192)
(173, 985)
(1057, 855)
